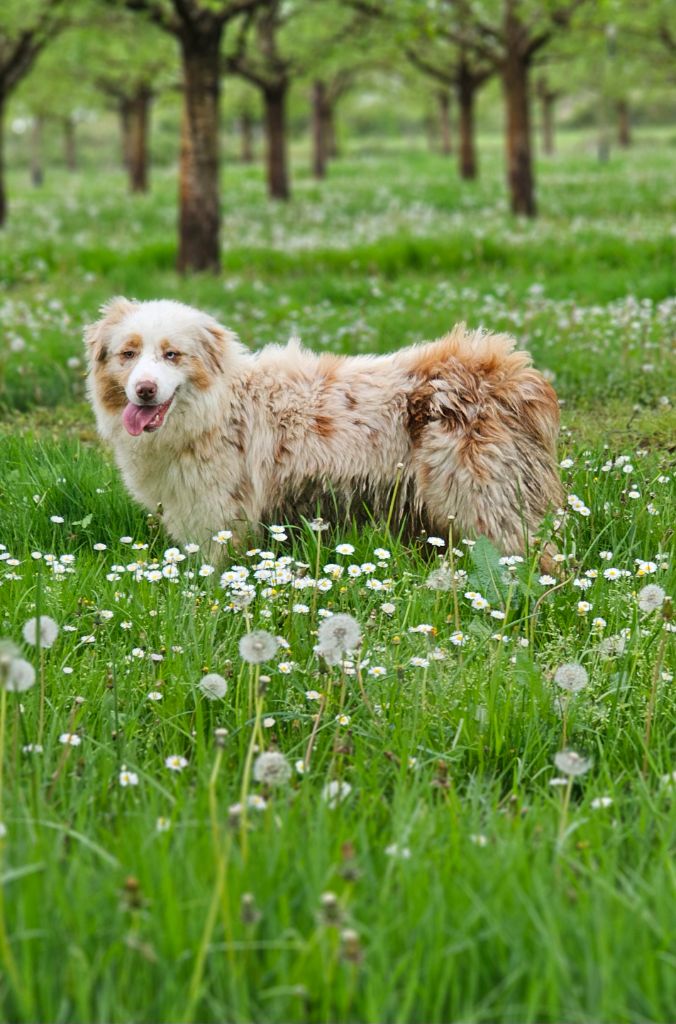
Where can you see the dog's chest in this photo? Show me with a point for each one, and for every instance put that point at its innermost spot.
(194, 494)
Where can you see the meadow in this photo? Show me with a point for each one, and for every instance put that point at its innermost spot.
(467, 812)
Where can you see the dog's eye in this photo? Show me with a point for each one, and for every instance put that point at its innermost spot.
(129, 354)
(171, 356)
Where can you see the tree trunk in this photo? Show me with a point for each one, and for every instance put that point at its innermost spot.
(246, 138)
(199, 201)
(623, 124)
(37, 168)
(125, 132)
(444, 103)
(139, 112)
(466, 92)
(547, 124)
(430, 125)
(319, 129)
(275, 131)
(519, 144)
(330, 134)
(547, 98)
(69, 147)
(3, 194)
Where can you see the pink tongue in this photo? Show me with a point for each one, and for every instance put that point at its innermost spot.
(137, 417)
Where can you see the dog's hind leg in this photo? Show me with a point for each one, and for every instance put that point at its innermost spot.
(492, 482)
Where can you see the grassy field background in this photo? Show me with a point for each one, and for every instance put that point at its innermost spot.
(427, 865)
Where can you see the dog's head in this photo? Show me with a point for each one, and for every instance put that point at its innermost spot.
(147, 358)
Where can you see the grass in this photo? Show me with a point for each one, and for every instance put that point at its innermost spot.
(454, 881)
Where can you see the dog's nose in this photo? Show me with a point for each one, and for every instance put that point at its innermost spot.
(146, 390)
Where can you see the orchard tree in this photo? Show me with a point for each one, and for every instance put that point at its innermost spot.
(505, 35)
(50, 97)
(257, 56)
(26, 27)
(464, 75)
(356, 46)
(129, 62)
(243, 109)
(328, 88)
(547, 97)
(278, 43)
(198, 26)
(509, 34)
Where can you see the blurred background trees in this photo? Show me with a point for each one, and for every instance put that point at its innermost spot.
(291, 82)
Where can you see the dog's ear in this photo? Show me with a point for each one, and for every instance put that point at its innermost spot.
(214, 341)
(97, 335)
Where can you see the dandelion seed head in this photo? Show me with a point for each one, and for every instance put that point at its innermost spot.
(651, 598)
(257, 647)
(48, 631)
(213, 686)
(571, 677)
(337, 635)
(8, 652)
(271, 768)
(612, 647)
(19, 676)
(571, 763)
(439, 579)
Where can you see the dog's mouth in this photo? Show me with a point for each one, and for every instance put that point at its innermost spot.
(140, 418)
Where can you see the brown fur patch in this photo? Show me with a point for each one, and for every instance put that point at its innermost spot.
(134, 343)
(199, 375)
(168, 346)
(214, 344)
(282, 450)
(110, 390)
(328, 365)
(324, 425)
(97, 335)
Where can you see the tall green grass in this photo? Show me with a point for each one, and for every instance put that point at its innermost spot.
(454, 881)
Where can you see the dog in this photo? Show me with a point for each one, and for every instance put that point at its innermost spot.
(457, 431)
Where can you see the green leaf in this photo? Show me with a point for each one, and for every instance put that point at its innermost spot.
(487, 575)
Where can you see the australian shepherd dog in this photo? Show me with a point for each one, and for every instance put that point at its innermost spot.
(461, 430)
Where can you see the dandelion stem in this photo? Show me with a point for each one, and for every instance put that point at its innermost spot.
(317, 567)
(563, 821)
(313, 734)
(118, 738)
(650, 710)
(360, 680)
(221, 856)
(246, 778)
(564, 736)
(3, 723)
(536, 606)
(65, 754)
(393, 500)
(41, 718)
(6, 955)
(41, 653)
